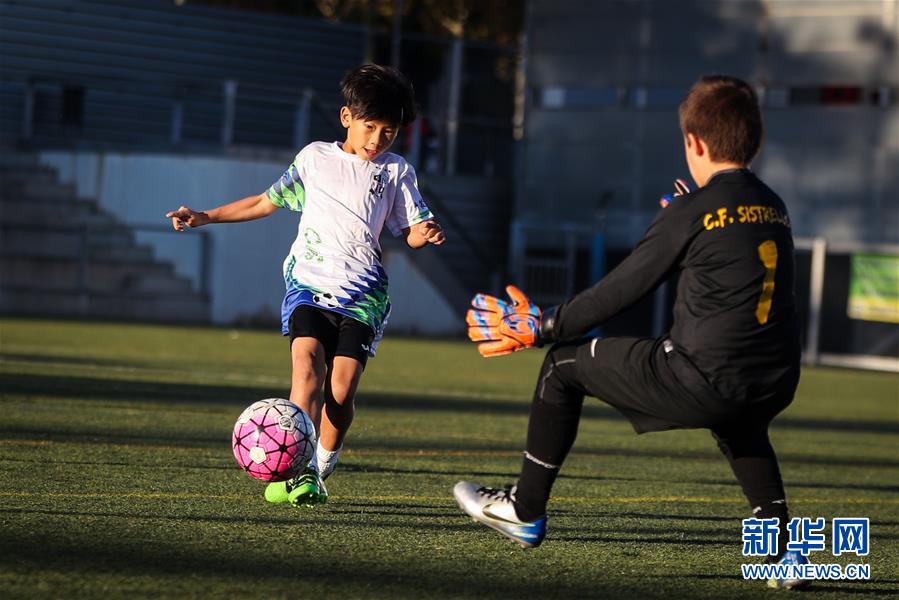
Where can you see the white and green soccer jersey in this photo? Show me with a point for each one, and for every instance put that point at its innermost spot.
(335, 261)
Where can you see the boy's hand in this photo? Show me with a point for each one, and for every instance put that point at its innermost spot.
(186, 216)
(506, 327)
(432, 232)
(681, 188)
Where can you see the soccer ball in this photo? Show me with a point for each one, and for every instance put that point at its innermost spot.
(273, 439)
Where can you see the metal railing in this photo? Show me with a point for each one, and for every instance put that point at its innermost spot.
(306, 107)
(544, 260)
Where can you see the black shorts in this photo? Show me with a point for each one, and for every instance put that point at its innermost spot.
(340, 335)
(658, 388)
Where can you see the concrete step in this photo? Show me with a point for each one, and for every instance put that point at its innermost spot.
(188, 308)
(138, 253)
(52, 273)
(64, 242)
(69, 246)
(66, 256)
(38, 190)
(164, 284)
(20, 175)
(70, 212)
(15, 160)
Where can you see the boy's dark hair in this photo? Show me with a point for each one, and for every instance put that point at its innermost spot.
(375, 92)
(724, 112)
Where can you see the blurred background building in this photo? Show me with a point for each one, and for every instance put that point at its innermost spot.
(548, 131)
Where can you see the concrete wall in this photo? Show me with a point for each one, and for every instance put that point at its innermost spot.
(246, 281)
(418, 306)
(604, 80)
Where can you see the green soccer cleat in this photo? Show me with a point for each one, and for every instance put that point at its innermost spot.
(306, 489)
(278, 491)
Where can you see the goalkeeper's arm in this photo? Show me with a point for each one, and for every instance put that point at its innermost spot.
(508, 327)
(650, 263)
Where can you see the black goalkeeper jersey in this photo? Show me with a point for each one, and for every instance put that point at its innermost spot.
(735, 315)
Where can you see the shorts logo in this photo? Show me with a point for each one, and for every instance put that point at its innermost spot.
(366, 347)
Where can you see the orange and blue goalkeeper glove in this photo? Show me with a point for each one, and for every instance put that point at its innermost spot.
(505, 327)
(681, 188)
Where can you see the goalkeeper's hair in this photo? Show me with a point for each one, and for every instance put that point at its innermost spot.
(724, 112)
(379, 93)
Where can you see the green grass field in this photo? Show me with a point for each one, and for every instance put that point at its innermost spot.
(118, 479)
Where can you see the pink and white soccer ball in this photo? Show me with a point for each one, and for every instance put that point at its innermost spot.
(273, 439)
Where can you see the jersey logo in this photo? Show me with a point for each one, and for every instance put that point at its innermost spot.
(378, 183)
(313, 239)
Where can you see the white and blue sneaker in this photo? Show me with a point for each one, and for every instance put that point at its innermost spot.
(495, 508)
(791, 558)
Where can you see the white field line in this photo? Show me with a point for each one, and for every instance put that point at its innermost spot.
(441, 499)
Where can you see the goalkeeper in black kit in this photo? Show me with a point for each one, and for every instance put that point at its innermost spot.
(729, 364)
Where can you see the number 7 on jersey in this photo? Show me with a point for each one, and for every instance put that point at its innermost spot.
(768, 256)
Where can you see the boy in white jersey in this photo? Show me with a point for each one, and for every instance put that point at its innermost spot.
(336, 304)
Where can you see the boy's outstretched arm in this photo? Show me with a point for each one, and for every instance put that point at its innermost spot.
(245, 209)
(424, 233)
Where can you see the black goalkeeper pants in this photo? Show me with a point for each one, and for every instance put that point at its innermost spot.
(654, 390)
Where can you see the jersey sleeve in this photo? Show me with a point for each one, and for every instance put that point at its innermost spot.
(408, 206)
(289, 191)
(650, 263)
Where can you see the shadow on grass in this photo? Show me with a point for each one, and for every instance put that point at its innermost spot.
(9, 464)
(585, 447)
(447, 507)
(194, 439)
(866, 487)
(50, 359)
(136, 391)
(370, 469)
(128, 438)
(372, 573)
(658, 530)
(644, 516)
(669, 541)
(141, 391)
(394, 517)
(860, 588)
(347, 467)
(222, 441)
(809, 424)
(817, 587)
(126, 390)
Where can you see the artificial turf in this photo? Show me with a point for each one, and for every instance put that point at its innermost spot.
(117, 478)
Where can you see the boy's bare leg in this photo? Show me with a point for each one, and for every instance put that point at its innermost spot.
(308, 373)
(337, 416)
(340, 390)
(308, 376)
